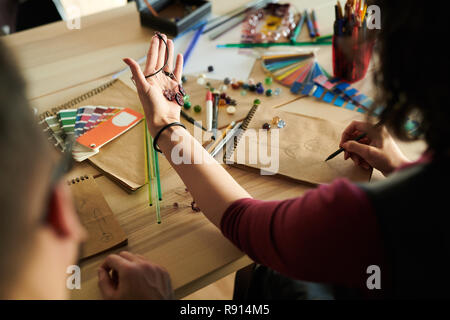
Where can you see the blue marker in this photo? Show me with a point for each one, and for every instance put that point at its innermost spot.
(310, 25)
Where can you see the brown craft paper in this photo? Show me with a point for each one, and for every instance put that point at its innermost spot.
(304, 144)
(104, 232)
(122, 158)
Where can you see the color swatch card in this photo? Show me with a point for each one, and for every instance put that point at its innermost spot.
(111, 129)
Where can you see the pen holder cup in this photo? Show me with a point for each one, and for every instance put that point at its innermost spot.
(351, 57)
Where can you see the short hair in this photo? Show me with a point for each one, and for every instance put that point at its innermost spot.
(24, 150)
(412, 78)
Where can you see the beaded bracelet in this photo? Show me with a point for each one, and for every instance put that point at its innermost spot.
(155, 140)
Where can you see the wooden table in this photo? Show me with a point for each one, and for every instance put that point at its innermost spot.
(58, 64)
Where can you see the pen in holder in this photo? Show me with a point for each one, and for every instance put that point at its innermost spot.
(352, 44)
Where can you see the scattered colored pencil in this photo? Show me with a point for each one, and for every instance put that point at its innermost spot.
(298, 28)
(157, 173)
(192, 44)
(224, 133)
(310, 25)
(148, 170)
(315, 23)
(274, 44)
(155, 187)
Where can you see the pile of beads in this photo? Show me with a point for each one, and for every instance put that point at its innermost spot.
(226, 100)
(253, 87)
(280, 22)
(276, 121)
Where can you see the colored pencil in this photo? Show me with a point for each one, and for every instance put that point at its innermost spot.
(191, 120)
(158, 177)
(310, 26)
(274, 44)
(147, 164)
(224, 133)
(231, 133)
(155, 175)
(192, 44)
(315, 23)
(327, 37)
(298, 28)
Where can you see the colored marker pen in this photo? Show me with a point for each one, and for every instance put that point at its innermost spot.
(310, 25)
(316, 24)
(209, 110)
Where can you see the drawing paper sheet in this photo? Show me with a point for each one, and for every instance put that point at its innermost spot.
(304, 144)
(104, 231)
(227, 62)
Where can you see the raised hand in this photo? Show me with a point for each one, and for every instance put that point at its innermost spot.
(158, 109)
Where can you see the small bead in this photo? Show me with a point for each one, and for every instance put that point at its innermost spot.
(269, 92)
(201, 81)
(268, 80)
(202, 75)
(259, 84)
(252, 88)
(227, 81)
(228, 99)
(245, 86)
(223, 95)
(223, 88)
(208, 84)
(231, 110)
(222, 102)
(281, 124)
(187, 105)
(260, 89)
(197, 108)
(210, 68)
(277, 92)
(243, 92)
(256, 101)
(186, 98)
(235, 85)
(233, 102)
(275, 120)
(211, 89)
(266, 126)
(183, 79)
(251, 81)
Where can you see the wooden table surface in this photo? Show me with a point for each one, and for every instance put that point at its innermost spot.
(59, 64)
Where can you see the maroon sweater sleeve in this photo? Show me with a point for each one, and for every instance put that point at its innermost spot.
(329, 235)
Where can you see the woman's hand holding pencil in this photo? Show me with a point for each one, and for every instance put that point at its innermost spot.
(376, 150)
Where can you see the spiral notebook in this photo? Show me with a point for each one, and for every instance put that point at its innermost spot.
(297, 151)
(104, 231)
(122, 159)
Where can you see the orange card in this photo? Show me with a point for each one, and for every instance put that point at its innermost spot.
(111, 129)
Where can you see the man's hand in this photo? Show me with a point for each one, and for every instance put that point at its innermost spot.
(130, 276)
(378, 149)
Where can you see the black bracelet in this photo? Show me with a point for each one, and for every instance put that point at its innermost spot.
(155, 140)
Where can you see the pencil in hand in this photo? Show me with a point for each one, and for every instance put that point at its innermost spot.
(340, 150)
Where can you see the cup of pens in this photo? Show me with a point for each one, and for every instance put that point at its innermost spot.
(352, 42)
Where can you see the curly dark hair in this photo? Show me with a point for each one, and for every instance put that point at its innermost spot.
(413, 73)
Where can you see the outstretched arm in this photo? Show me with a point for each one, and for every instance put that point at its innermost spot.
(205, 180)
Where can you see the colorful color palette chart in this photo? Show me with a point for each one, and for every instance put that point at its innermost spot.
(304, 76)
(69, 124)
